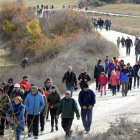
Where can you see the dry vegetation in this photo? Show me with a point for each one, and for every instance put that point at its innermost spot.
(122, 129)
(129, 9)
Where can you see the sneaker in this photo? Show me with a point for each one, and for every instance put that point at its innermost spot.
(42, 132)
(52, 130)
(88, 131)
(137, 87)
(105, 94)
(23, 133)
(29, 134)
(36, 137)
(56, 128)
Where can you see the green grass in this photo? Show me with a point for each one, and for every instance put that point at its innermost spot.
(129, 9)
(56, 3)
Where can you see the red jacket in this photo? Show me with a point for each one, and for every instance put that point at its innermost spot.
(114, 80)
(47, 95)
(116, 62)
(103, 80)
(27, 85)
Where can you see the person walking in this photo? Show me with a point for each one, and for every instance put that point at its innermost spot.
(16, 92)
(67, 107)
(70, 80)
(103, 80)
(130, 76)
(54, 100)
(9, 87)
(137, 51)
(136, 42)
(34, 104)
(114, 81)
(87, 99)
(107, 23)
(118, 70)
(44, 110)
(123, 41)
(124, 79)
(118, 42)
(5, 104)
(106, 63)
(83, 77)
(116, 61)
(111, 66)
(25, 82)
(101, 23)
(97, 71)
(136, 68)
(17, 111)
(128, 44)
(110, 24)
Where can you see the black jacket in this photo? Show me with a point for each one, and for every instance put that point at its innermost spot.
(84, 76)
(136, 69)
(138, 47)
(70, 81)
(97, 70)
(128, 43)
(132, 72)
(101, 22)
(8, 89)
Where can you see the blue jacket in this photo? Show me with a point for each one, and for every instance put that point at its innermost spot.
(106, 63)
(34, 103)
(124, 77)
(18, 114)
(87, 98)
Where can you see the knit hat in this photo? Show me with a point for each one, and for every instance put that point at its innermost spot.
(17, 85)
(85, 85)
(53, 87)
(35, 87)
(10, 80)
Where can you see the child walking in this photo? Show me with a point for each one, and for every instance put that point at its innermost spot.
(118, 70)
(114, 80)
(103, 80)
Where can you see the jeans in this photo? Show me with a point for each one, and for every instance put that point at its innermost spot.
(118, 87)
(118, 45)
(107, 27)
(122, 45)
(70, 89)
(106, 70)
(113, 90)
(101, 28)
(42, 121)
(66, 125)
(103, 86)
(33, 120)
(137, 54)
(53, 117)
(127, 50)
(130, 84)
(86, 115)
(136, 78)
(18, 134)
(124, 88)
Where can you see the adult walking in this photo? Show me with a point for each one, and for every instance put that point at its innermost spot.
(118, 42)
(25, 82)
(123, 41)
(17, 111)
(83, 77)
(101, 23)
(67, 107)
(136, 42)
(136, 68)
(54, 100)
(70, 80)
(124, 79)
(97, 71)
(87, 99)
(4, 106)
(128, 44)
(137, 51)
(107, 23)
(34, 104)
(111, 66)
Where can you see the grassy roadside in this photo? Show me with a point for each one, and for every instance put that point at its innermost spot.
(127, 25)
(129, 9)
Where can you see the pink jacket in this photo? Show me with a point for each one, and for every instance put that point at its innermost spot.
(118, 73)
(103, 80)
(114, 80)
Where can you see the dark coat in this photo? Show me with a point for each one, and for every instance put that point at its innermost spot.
(128, 43)
(107, 22)
(54, 100)
(101, 22)
(136, 69)
(97, 70)
(138, 47)
(15, 94)
(8, 89)
(70, 82)
(5, 103)
(83, 76)
(132, 72)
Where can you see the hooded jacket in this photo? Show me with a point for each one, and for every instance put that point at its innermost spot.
(34, 103)
(124, 76)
